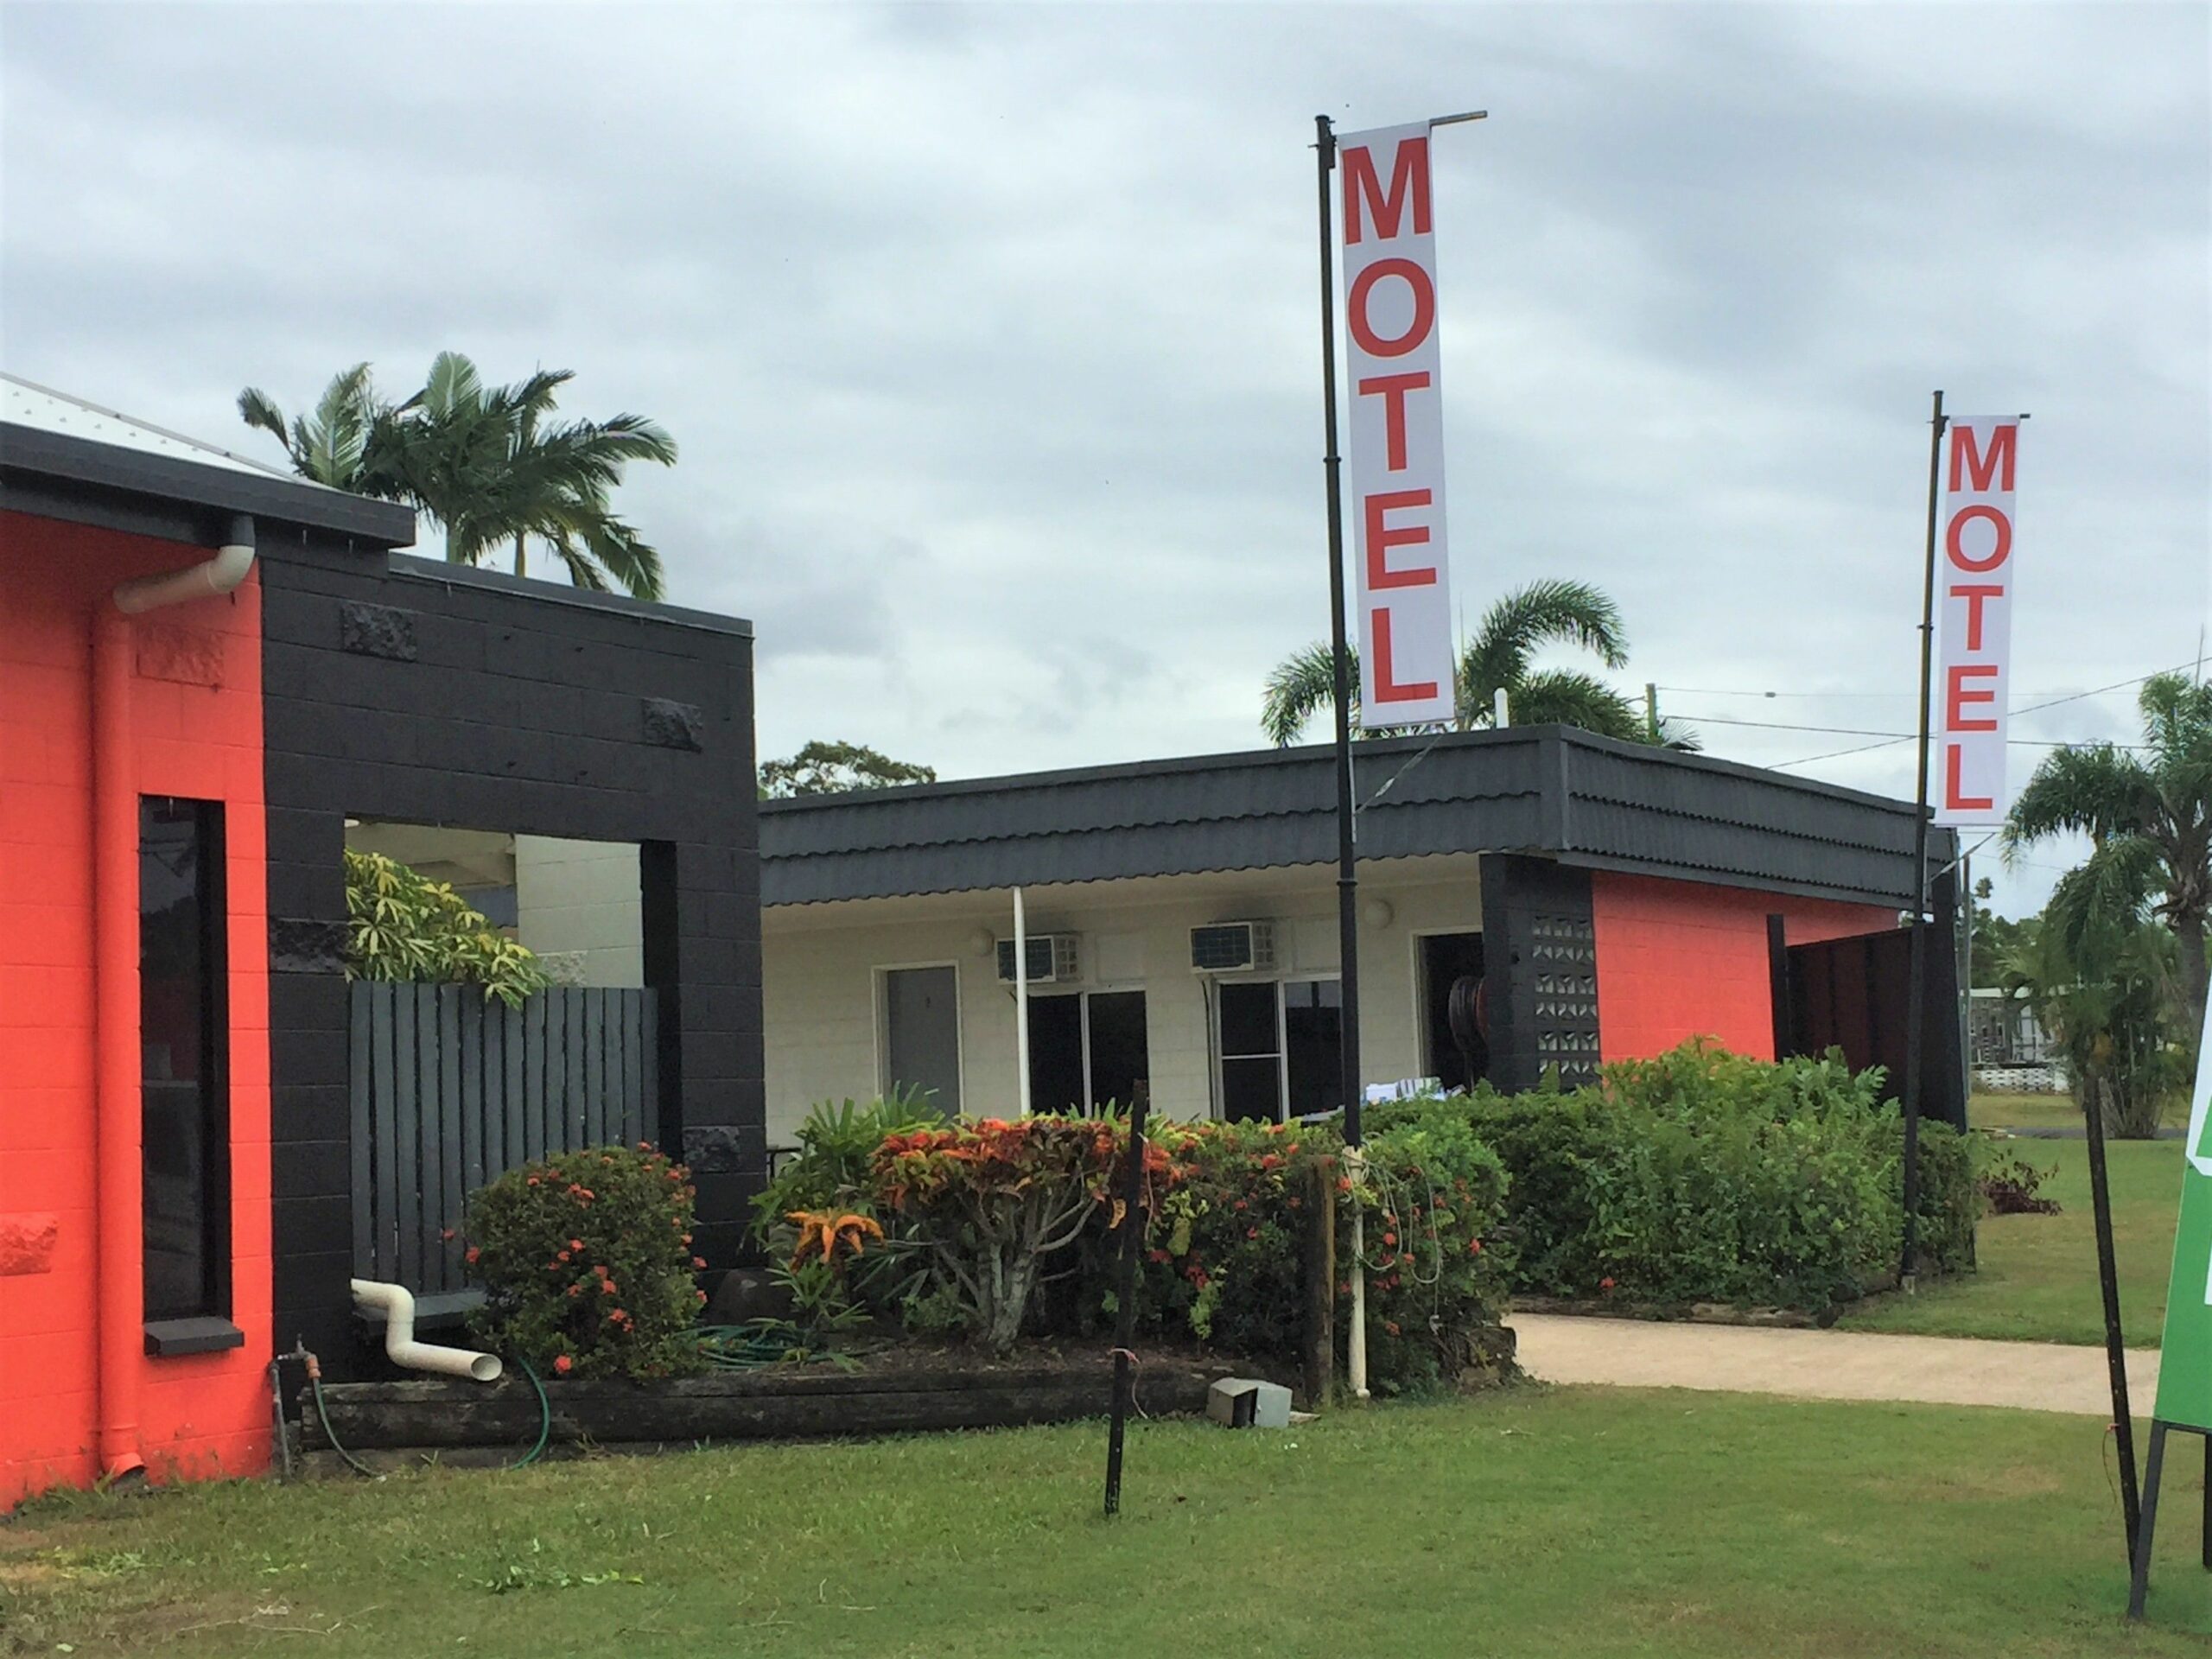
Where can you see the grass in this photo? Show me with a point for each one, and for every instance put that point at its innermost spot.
(2024, 1112)
(2038, 1277)
(1534, 1522)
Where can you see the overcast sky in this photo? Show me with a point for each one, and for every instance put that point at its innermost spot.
(988, 334)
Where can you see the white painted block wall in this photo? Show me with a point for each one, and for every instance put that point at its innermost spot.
(822, 1001)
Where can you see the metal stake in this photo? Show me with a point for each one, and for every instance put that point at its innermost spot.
(2131, 1511)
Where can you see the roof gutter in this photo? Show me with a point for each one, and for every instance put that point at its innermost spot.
(118, 1081)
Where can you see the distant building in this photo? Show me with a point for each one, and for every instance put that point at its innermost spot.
(1593, 900)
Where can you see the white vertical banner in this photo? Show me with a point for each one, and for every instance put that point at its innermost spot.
(1975, 570)
(1406, 659)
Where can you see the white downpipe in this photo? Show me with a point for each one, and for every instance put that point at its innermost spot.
(1500, 718)
(1021, 999)
(400, 1344)
(210, 579)
(1356, 1338)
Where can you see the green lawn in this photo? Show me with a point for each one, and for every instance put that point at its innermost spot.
(1539, 1522)
(2024, 1112)
(2038, 1279)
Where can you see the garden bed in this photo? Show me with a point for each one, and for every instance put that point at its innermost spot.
(465, 1422)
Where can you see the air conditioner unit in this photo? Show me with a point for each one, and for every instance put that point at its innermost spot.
(1053, 959)
(1233, 948)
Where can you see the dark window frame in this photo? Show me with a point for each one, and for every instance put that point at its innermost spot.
(213, 1299)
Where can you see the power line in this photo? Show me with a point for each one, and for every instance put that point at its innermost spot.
(2033, 708)
(1862, 731)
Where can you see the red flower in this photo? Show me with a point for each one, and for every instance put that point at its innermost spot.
(1239, 1204)
(1344, 1183)
(563, 1364)
(445, 1232)
(575, 1243)
(1474, 1247)
(1251, 1232)
(700, 1261)
(573, 1289)
(559, 1256)
(1605, 1284)
(1390, 1238)
(1156, 1256)
(1391, 1325)
(471, 1254)
(600, 1268)
(620, 1317)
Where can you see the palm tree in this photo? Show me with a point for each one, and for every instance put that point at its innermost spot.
(488, 464)
(2100, 976)
(1497, 658)
(334, 445)
(2149, 817)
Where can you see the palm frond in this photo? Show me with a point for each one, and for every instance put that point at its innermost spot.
(2099, 791)
(1299, 686)
(1565, 697)
(257, 409)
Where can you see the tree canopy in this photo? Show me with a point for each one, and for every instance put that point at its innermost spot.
(826, 766)
(2147, 810)
(490, 465)
(1499, 657)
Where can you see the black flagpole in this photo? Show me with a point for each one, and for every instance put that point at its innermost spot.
(1915, 1016)
(1347, 879)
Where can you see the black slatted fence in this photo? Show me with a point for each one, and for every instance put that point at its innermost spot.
(451, 1089)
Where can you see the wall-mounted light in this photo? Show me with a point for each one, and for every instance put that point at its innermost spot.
(982, 941)
(1377, 912)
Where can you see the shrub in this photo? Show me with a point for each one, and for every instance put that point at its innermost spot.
(1223, 1258)
(586, 1262)
(991, 1200)
(1432, 1196)
(401, 925)
(1704, 1176)
(2013, 1188)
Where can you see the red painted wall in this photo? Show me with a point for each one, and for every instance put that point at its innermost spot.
(196, 723)
(1679, 959)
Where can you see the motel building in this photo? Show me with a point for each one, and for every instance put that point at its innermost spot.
(1592, 900)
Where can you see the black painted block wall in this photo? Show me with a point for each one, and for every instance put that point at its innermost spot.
(1539, 968)
(428, 693)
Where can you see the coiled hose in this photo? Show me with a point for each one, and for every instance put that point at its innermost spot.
(322, 1415)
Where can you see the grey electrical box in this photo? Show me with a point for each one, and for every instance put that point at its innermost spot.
(1247, 1403)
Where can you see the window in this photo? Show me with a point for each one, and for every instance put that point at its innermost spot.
(1281, 1048)
(185, 1086)
(1087, 1051)
(921, 1033)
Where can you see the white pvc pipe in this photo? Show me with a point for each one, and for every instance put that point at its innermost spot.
(1021, 999)
(400, 1344)
(1500, 719)
(1356, 1338)
(210, 579)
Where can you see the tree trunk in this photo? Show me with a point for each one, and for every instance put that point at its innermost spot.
(2188, 929)
(1010, 1301)
(520, 540)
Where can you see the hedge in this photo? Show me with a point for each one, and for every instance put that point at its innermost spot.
(1703, 1176)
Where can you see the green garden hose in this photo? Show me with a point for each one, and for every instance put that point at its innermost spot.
(544, 1421)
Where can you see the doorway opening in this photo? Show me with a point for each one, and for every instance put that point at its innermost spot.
(921, 1034)
(1457, 1057)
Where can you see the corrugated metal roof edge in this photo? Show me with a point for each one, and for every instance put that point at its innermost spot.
(85, 464)
(1309, 753)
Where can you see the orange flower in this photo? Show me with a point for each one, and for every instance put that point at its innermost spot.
(562, 1365)
(828, 1229)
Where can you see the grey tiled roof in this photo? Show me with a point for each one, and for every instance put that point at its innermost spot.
(1549, 790)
